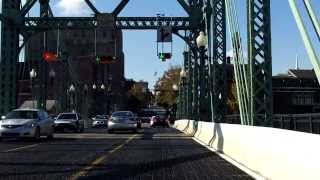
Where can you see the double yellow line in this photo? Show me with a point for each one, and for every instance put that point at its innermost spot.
(99, 160)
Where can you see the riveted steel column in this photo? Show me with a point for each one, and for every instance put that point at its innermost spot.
(9, 56)
(260, 61)
(219, 75)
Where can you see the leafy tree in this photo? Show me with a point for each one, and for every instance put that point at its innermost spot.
(165, 95)
(138, 97)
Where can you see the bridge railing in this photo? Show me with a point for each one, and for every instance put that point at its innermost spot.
(298, 122)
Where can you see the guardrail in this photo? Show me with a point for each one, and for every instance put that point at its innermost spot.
(298, 122)
(270, 152)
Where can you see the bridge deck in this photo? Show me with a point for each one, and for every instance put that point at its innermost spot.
(150, 154)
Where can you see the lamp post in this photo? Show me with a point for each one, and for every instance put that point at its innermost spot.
(109, 92)
(72, 89)
(33, 74)
(52, 75)
(202, 41)
(183, 89)
(175, 90)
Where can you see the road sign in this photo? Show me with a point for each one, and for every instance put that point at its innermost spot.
(164, 34)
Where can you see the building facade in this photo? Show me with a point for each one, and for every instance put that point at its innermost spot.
(99, 87)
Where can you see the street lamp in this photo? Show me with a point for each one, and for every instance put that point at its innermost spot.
(202, 41)
(175, 87)
(52, 73)
(33, 75)
(103, 87)
(72, 89)
(94, 86)
(183, 73)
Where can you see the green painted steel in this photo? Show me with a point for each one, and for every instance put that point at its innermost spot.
(219, 74)
(260, 61)
(206, 67)
(306, 38)
(313, 17)
(9, 56)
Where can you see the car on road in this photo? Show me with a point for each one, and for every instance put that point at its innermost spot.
(122, 120)
(160, 118)
(145, 115)
(100, 121)
(69, 121)
(27, 123)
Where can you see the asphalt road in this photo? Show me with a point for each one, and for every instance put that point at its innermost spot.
(158, 153)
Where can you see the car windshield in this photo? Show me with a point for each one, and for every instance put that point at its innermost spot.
(101, 117)
(122, 114)
(67, 116)
(22, 115)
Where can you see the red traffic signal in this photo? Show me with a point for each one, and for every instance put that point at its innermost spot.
(49, 56)
(106, 59)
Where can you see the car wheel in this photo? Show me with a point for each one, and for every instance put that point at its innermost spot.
(37, 134)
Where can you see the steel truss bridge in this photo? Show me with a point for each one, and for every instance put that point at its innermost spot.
(203, 92)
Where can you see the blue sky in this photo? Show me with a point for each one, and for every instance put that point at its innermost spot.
(141, 61)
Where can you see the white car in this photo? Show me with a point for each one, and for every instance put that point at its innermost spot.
(100, 121)
(122, 120)
(69, 121)
(30, 123)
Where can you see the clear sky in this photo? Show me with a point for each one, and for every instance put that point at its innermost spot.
(141, 61)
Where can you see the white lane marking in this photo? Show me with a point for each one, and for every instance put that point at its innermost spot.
(20, 148)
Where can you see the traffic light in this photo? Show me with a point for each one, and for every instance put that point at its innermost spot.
(49, 56)
(105, 59)
(164, 56)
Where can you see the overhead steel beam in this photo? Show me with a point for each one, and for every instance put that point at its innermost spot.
(92, 7)
(120, 7)
(185, 6)
(26, 8)
(135, 23)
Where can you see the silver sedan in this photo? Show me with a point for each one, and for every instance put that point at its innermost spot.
(31, 123)
(122, 120)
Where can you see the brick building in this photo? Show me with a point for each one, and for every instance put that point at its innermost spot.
(80, 69)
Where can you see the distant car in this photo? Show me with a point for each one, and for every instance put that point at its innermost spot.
(160, 119)
(29, 123)
(122, 120)
(145, 115)
(69, 121)
(100, 121)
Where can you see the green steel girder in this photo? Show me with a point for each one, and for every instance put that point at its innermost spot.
(9, 57)
(120, 7)
(92, 7)
(260, 60)
(218, 66)
(26, 8)
(185, 6)
(135, 23)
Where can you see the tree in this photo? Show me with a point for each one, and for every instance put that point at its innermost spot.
(165, 95)
(138, 97)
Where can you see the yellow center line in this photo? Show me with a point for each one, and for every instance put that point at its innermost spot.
(99, 160)
(20, 148)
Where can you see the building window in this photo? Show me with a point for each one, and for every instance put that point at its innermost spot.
(303, 99)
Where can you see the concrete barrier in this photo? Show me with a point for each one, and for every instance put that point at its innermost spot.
(270, 152)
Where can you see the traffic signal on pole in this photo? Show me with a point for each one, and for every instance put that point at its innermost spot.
(49, 56)
(105, 59)
(164, 56)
